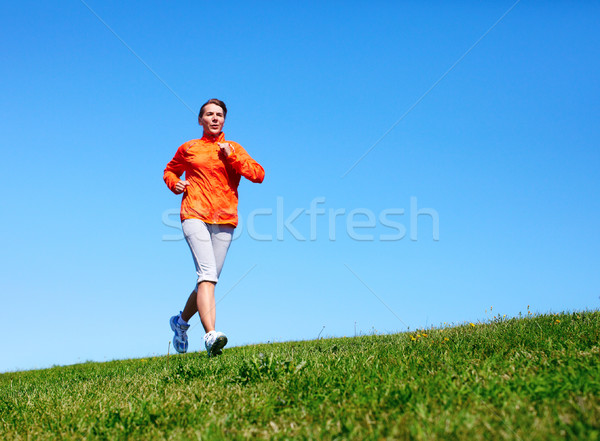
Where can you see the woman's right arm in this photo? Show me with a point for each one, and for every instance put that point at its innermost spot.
(174, 170)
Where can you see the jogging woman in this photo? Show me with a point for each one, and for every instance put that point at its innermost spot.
(213, 168)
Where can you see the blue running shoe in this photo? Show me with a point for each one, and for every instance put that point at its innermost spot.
(180, 340)
(214, 341)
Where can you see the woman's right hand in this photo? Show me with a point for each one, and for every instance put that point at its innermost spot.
(180, 186)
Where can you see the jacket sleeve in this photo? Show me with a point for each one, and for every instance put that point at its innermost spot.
(175, 168)
(242, 163)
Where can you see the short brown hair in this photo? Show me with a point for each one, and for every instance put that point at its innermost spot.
(219, 103)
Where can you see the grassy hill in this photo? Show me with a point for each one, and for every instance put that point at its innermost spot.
(529, 378)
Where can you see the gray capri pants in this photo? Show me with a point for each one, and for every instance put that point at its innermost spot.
(209, 244)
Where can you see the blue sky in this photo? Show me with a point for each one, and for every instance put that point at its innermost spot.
(501, 157)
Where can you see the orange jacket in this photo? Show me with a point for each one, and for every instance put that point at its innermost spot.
(214, 178)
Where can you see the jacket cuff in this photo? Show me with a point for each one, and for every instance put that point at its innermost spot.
(232, 156)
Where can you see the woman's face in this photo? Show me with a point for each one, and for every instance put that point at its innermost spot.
(212, 119)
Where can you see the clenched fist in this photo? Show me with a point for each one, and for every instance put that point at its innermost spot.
(180, 186)
(226, 148)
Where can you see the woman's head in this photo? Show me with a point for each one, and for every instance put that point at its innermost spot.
(212, 116)
(215, 101)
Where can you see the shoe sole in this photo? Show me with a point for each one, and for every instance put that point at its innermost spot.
(218, 345)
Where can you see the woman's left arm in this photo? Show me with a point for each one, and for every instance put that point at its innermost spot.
(243, 163)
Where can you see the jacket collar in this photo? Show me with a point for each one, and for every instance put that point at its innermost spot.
(210, 138)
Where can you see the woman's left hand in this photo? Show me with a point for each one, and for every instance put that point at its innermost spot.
(226, 148)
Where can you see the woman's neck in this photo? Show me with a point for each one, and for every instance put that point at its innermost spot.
(211, 137)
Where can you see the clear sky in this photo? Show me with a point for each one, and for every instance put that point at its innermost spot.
(484, 193)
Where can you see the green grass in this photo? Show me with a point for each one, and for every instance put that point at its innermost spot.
(529, 378)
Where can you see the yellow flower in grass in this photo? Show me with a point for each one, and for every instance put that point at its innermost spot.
(412, 338)
(472, 325)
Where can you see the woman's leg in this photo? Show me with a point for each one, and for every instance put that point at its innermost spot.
(221, 239)
(198, 237)
(221, 236)
(205, 301)
(191, 307)
(208, 244)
